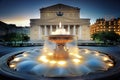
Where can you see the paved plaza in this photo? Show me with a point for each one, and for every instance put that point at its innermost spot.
(6, 50)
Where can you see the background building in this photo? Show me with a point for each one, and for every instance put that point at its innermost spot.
(105, 25)
(51, 16)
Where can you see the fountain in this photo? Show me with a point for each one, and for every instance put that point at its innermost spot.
(60, 57)
(60, 40)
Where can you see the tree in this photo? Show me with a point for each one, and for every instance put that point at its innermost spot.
(25, 37)
(16, 37)
(106, 36)
(13, 38)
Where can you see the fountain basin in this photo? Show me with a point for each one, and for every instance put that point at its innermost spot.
(12, 74)
(60, 39)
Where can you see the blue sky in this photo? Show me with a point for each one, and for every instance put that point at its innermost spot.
(20, 11)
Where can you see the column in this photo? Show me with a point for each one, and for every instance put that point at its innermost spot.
(63, 26)
(45, 30)
(69, 28)
(74, 30)
(56, 27)
(80, 32)
(50, 29)
(40, 33)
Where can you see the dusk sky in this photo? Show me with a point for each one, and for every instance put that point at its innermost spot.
(20, 11)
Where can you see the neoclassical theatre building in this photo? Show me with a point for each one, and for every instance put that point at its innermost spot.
(51, 16)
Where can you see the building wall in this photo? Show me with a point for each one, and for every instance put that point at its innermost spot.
(34, 32)
(85, 32)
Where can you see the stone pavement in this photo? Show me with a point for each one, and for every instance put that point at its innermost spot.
(5, 50)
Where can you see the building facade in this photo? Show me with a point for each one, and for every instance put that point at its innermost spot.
(51, 16)
(105, 25)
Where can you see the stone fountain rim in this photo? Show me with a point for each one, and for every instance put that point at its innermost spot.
(6, 71)
(61, 35)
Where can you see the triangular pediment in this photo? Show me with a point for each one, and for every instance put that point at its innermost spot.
(59, 6)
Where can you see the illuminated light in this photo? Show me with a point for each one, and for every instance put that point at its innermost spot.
(78, 56)
(44, 59)
(97, 54)
(50, 54)
(53, 62)
(25, 55)
(12, 65)
(110, 64)
(16, 59)
(105, 58)
(71, 53)
(86, 51)
(76, 60)
(62, 62)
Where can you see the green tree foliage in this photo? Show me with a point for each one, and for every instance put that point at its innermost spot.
(106, 36)
(25, 37)
(16, 37)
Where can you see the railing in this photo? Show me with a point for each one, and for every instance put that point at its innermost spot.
(21, 44)
(26, 44)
